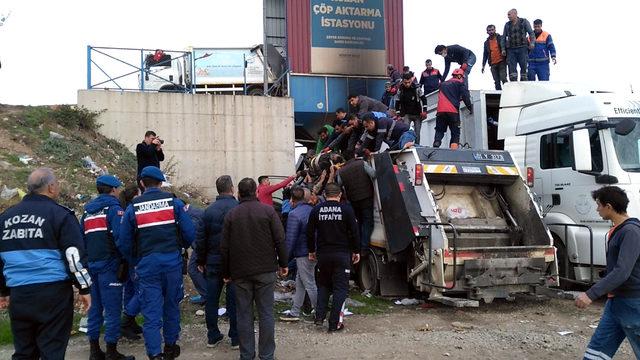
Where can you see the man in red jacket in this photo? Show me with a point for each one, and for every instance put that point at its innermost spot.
(448, 115)
(265, 189)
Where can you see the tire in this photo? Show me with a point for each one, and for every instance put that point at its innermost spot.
(562, 258)
(367, 274)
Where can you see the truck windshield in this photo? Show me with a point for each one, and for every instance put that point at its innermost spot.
(627, 147)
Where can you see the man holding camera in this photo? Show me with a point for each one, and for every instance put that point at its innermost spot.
(149, 151)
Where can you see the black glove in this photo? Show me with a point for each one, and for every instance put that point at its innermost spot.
(123, 271)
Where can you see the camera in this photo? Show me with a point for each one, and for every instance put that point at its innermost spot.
(161, 141)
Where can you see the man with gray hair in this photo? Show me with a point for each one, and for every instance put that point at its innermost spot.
(296, 239)
(41, 254)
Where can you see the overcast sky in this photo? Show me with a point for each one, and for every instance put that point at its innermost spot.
(43, 43)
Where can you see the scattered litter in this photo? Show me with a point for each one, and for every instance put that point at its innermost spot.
(446, 354)
(593, 326)
(222, 311)
(288, 283)
(564, 333)
(285, 312)
(280, 296)
(199, 312)
(83, 325)
(166, 184)
(25, 159)
(187, 195)
(366, 293)
(88, 163)
(461, 326)
(407, 302)
(55, 135)
(346, 312)
(353, 303)
(425, 327)
(7, 193)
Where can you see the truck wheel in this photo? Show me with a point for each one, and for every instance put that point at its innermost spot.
(562, 260)
(367, 274)
(255, 91)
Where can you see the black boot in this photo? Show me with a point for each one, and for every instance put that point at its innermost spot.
(96, 352)
(128, 328)
(171, 351)
(113, 354)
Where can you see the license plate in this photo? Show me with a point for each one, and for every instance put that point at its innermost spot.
(488, 157)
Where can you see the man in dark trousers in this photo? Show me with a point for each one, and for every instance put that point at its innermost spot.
(356, 176)
(252, 249)
(493, 54)
(396, 134)
(332, 239)
(209, 259)
(448, 112)
(41, 254)
(101, 224)
(149, 239)
(621, 284)
(149, 151)
(517, 39)
(456, 53)
(411, 104)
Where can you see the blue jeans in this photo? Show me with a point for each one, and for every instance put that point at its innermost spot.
(407, 136)
(518, 56)
(214, 290)
(196, 276)
(470, 62)
(620, 319)
(539, 69)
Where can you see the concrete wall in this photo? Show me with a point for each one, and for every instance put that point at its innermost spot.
(207, 135)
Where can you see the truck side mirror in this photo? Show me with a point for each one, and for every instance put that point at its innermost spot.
(625, 126)
(581, 150)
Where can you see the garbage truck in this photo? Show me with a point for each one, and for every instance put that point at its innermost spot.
(566, 140)
(459, 225)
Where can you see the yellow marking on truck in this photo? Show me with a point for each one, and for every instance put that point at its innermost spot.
(501, 170)
(440, 169)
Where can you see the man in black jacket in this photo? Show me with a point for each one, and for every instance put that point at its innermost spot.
(493, 54)
(361, 104)
(209, 259)
(253, 246)
(332, 238)
(149, 151)
(411, 104)
(621, 285)
(456, 53)
(396, 134)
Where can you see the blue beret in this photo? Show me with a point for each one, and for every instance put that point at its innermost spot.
(152, 172)
(108, 180)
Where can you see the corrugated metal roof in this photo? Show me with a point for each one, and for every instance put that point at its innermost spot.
(299, 34)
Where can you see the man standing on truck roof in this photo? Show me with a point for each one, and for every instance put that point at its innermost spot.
(515, 44)
(621, 315)
(456, 53)
(332, 239)
(493, 54)
(448, 115)
(411, 104)
(539, 56)
(430, 78)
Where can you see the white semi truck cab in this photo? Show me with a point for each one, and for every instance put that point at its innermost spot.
(566, 140)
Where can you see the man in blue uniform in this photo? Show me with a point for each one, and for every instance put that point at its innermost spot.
(149, 237)
(41, 254)
(100, 224)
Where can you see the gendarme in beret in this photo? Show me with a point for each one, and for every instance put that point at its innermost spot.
(152, 172)
(108, 180)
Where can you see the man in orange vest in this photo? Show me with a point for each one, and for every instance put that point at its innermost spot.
(493, 54)
(539, 56)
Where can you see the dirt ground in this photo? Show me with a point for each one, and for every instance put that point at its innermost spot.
(523, 329)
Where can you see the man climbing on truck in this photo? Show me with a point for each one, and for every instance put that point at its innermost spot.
(448, 115)
(396, 134)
